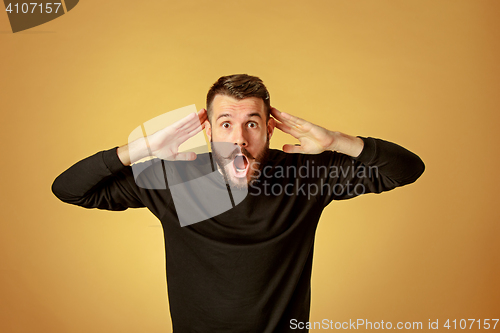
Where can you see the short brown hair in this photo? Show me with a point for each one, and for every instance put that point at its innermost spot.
(239, 86)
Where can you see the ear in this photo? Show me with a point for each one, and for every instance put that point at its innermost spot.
(271, 124)
(208, 130)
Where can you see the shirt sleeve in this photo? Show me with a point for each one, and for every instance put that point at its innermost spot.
(99, 181)
(381, 166)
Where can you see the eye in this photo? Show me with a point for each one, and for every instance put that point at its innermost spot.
(226, 125)
(252, 124)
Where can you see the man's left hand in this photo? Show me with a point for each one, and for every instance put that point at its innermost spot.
(315, 139)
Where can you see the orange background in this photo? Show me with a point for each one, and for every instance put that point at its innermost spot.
(424, 74)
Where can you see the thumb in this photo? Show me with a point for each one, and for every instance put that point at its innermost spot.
(189, 156)
(292, 149)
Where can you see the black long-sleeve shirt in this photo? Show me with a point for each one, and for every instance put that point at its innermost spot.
(247, 269)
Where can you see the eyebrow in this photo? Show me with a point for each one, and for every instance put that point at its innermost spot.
(228, 115)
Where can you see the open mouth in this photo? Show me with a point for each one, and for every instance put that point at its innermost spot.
(240, 165)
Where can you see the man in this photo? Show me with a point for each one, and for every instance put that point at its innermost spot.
(248, 268)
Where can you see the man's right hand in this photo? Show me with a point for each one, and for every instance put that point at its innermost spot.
(165, 143)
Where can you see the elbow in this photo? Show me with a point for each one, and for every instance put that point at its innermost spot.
(58, 190)
(55, 189)
(58, 194)
(417, 169)
(421, 168)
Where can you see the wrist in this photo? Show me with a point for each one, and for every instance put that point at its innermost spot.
(138, 149)
(346, 144)
(133, 152)
(336, 137)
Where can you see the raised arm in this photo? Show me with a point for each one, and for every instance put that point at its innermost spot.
(374, 165)
(105, 180)
(98, 181)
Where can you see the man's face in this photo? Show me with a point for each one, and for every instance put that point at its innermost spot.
(240, 136)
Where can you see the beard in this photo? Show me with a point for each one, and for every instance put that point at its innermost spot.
(228, 155)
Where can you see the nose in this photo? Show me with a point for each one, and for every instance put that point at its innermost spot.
(240, 138)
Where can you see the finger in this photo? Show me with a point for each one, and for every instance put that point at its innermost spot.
(293, 149)
(276, 114)
(288, 119)
(193, 125)
(201, 121)
(195, 130)
(287, 129)
(189, 122)
(195, 122)
(185, 135)
(189, 156)
(296, 121)
(184, 121)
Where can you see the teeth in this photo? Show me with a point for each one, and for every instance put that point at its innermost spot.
(240, 162)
